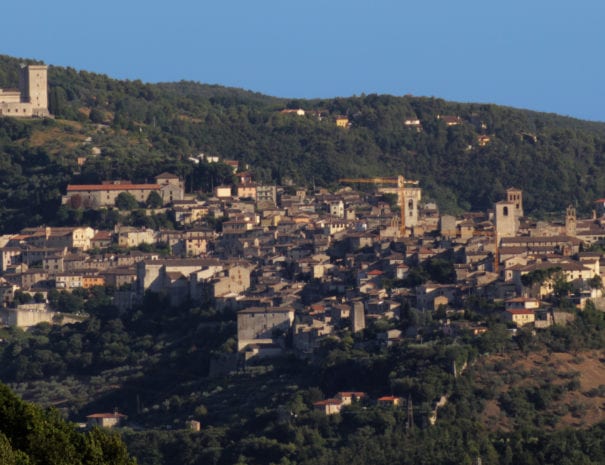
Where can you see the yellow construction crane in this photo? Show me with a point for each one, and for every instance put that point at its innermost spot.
(399, 181)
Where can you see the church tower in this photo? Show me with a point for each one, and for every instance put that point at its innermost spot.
(515, 196)
(508, 213)
(570, 221)
(506, 222)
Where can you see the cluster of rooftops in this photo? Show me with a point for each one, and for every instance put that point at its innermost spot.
(319, 254)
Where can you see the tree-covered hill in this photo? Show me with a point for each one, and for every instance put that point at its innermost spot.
(143, 129)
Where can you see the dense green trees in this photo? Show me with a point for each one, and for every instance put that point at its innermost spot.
(126, 201)
(154, 200)
(31, 436)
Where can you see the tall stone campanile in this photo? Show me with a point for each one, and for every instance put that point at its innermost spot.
(34, 88)
(570, 221)
(515, 197)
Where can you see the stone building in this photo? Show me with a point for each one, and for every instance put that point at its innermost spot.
(167, 186)
(28, 315)
(262, 325)
(358, 317)
(31, 98)
(508, 213)
(105, 420)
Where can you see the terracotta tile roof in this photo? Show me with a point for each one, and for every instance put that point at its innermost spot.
(351, 394)
(111, 187)
(520, 311)
(102, 235)
(106, 415)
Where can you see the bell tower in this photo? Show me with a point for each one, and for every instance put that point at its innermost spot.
(570, 221)
(515, 197)
(506, 222)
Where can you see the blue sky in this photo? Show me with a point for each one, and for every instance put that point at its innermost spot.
(536, 54)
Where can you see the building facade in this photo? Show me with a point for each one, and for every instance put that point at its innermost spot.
(31, 99)
(170, 188)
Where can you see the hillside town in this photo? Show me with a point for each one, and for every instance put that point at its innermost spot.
(298, 265)
(222, 242)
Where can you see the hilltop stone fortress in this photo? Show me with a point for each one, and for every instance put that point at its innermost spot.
(31, 98)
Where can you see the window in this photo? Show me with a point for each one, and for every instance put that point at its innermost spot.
(505, 211)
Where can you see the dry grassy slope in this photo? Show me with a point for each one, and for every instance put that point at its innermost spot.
(63, 135)
(578, 408)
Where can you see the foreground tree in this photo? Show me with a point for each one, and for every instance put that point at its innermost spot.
(32, 436)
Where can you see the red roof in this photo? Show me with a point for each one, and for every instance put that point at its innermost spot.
(388, 399)
(351, 394)
(102, 235)
(111, 187)
(106, 415)
(520, 311)
(318, 307)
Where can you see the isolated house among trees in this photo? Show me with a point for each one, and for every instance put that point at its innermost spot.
(105, 420)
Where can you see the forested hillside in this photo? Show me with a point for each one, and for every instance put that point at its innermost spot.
(146, 128)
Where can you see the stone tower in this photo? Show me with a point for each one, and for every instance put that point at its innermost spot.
(507, 223)
(508, 213)
(570, 221)
(515, 196)
(34, 88)
(358, 317)
(412, 197)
